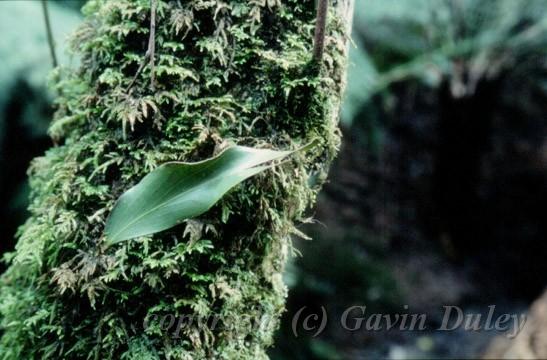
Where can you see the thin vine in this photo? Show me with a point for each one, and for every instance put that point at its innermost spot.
(49, 33)
(150, 52)
(320, 30)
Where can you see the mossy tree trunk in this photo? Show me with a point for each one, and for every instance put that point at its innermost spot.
(221, 72)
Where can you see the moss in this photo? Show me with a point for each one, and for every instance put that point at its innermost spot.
(236, 72)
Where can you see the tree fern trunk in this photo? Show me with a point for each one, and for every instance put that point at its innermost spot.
(237, 72)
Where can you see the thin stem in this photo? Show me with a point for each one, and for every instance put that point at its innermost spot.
(49, 33)
(152, 43)
(320, 30)
(139, 70)
(150, 51)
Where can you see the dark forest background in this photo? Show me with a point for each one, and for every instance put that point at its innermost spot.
(438, 195)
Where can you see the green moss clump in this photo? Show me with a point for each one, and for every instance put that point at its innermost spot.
(236, 72)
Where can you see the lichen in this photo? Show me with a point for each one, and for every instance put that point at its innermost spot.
(226, 72)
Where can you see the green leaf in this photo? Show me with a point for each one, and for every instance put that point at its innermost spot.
(178, 191)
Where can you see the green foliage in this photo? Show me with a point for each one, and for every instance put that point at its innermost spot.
(221, 77)
(25, 103)
(175, 192)
(430, 41)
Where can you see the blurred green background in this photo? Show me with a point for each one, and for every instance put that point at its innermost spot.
(437, 198)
